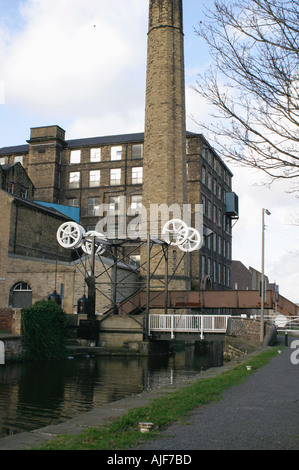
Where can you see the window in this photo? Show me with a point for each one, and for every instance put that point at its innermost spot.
(135, 259)
(137, 175)
(209, 266)
(114, 205)
(94, 178)
(95, 155)
(115, 176)
(20, 295)
(204, 204)
(73, 202)
(215, 213)
(215, 186)
(214, 271)
(137, 151)
(209, 209)
(116, 153)
(203, 175)
(24, 192)
(136, 203)
(75, 156)
(2, 161)
(74, 180)
(93, 206)
(10, 188)
(18, 160)
(203, 266)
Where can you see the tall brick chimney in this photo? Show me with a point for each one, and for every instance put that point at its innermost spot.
(164, 166)
(165, 112)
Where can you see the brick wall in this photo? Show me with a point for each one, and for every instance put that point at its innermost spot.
(33, 232)
(6, 319)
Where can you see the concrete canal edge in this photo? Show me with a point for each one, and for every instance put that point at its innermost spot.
(243, 335)
(102, 416)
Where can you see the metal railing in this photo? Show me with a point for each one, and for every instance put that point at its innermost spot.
(188, 324)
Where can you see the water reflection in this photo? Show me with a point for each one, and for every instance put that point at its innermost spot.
(33, 395)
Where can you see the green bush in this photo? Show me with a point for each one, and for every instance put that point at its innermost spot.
(44, 330)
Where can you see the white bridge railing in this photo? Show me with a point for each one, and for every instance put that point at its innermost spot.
(188, 324)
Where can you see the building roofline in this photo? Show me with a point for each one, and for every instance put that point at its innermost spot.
(107, 140)
(39, 207)
(88, 141)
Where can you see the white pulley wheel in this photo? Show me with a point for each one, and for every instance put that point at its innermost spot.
(193, 241)
(87, 245)
(175, 232)
(70, 235)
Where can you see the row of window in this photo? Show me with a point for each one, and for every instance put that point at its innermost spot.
(116, 154)
(212, 184)
(95, 177)
(114, 205)
(214, 213)
(95, 155)
(10, 188)
(219, 245)
(18, 159)
(216, 271)
(215, 163)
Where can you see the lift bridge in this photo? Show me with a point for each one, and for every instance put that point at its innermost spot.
(159, 306)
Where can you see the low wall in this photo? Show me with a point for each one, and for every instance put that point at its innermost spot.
(13, 347)
(121, 331)
(249, 329)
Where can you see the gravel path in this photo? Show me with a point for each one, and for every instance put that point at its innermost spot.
(260, 414)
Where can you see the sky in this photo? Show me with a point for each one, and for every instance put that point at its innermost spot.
(81, 64)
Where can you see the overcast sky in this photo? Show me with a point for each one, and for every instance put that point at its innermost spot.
(81, 64)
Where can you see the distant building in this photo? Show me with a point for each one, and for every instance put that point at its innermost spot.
(85, 173)
(244, 278)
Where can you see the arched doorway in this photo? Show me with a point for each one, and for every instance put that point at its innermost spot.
(20, 295)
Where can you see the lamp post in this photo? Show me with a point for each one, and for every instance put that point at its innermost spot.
(264, 211)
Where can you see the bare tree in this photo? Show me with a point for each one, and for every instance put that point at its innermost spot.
(253, 83)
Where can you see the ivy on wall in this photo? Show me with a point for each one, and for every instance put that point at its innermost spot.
(44, 330)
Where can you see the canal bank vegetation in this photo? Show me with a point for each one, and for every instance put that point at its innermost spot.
(44, 330)
(124, 433)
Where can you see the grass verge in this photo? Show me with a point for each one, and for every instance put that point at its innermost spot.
(124, 433)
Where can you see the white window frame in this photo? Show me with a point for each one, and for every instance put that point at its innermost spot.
(75, 157)
(116, 153)
(114, 205)
(19, 159)
(139, 152)
(95, 155)
(10, 187)
(72, 203)
(115, 176)
(93, 206)
(137, 175)
(74, 179)
(136, 203)
(94, 178)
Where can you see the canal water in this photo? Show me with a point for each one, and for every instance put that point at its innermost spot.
(37, 394)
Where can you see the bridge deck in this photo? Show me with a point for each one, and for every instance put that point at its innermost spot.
(229, 299)
(199, 324)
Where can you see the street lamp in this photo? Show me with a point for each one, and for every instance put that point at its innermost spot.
(264, 211)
